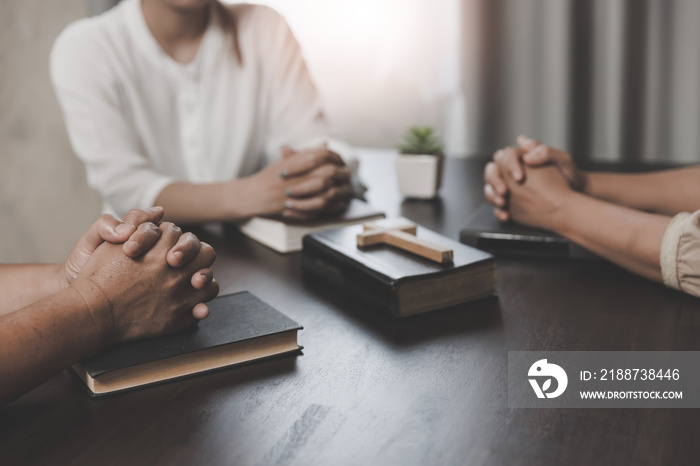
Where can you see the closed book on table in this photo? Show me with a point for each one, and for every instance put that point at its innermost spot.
(240, 328)
(398, 282)
(285, 235)
(485, 232)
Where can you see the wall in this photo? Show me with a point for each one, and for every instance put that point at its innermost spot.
(45, 203)
(383, 66)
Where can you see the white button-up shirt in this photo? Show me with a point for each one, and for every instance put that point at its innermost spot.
(140, 120)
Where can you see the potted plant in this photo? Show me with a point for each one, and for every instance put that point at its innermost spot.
(419, 163)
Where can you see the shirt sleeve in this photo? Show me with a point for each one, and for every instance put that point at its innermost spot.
(295, 111)
(680, 253)
(98, 127)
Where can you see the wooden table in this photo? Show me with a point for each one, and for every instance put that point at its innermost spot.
(426, 390)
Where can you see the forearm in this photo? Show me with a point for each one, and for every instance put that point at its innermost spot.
(627, 237)
(42, 339)
(186, 203)
(24, 284)
(665, 192)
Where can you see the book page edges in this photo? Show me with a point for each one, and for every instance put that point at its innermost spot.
(189, 364)
(271, 233)
(419, 294)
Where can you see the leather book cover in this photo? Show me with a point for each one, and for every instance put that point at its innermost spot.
(485, 232)
(233, 318)
(390, 264)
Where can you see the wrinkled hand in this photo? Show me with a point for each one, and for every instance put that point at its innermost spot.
(513, 160)
(137, 232)
(138, 298)
(303, 184)
(540, 199)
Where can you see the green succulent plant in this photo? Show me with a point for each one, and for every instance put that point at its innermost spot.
(421, 140)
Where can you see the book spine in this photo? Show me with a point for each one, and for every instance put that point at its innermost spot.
(347, 276)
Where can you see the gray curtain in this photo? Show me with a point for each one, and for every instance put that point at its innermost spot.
(605, 79)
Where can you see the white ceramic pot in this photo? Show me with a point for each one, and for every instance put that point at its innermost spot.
(419, 176)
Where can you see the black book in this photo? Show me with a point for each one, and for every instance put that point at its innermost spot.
(240, 328)
(485, 232)
(398, 282)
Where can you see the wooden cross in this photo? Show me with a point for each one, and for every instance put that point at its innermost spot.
(403, 236)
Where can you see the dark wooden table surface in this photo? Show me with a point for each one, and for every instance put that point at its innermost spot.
(427, 390)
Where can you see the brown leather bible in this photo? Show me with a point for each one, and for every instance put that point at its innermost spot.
(395, 281)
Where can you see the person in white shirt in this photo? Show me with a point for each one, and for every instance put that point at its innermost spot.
(205, 109)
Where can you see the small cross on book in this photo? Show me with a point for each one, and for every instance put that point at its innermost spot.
(403, 236)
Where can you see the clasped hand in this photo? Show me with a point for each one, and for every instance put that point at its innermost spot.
(139, 277)
(530, 183)
(303, 184)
